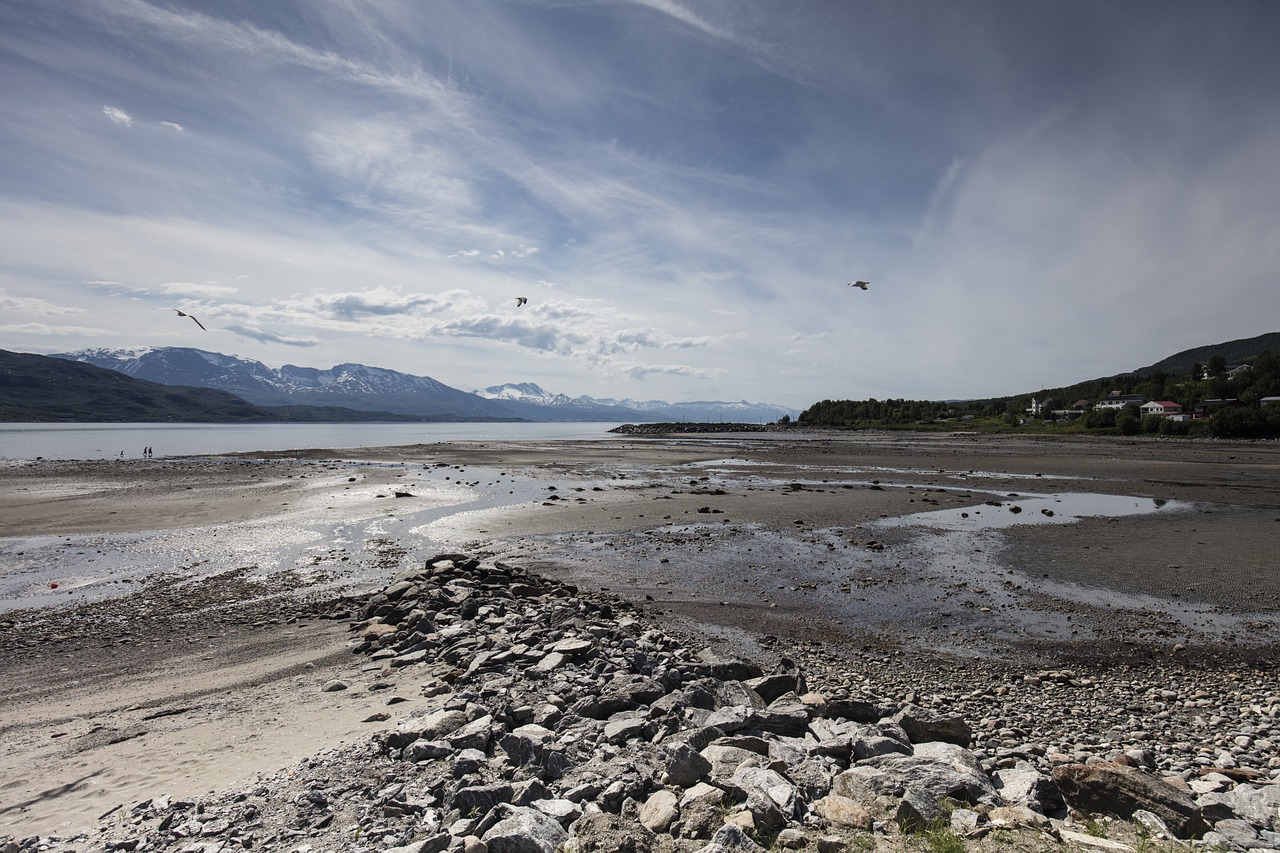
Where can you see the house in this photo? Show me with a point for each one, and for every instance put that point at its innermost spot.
(1231, 371)
(1116, 400)
(1234, 370)
(1206, 408)
(1269, 401)
(1040, 407)
(1164, 408)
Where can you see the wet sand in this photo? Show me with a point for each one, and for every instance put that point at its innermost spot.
(194, 643)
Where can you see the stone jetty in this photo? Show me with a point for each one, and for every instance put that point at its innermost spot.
(552, 720)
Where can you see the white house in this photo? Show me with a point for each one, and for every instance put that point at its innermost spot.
(1163, 408)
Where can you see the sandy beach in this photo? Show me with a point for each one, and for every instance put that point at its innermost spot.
(169, 627)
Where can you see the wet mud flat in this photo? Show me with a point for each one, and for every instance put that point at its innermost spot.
(826, 549)
(1061, 552)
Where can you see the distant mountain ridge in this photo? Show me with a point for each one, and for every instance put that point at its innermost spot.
(376, 389)
(43, 389)
(708, 411)
(353, 386)
(531, 401)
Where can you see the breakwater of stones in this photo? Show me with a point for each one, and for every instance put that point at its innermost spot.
(674, 428)
(558, 721)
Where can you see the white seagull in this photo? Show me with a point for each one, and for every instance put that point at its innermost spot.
(197, 322)
(520, 300)
(861, 284)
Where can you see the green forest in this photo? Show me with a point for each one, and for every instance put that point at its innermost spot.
(1237, 411)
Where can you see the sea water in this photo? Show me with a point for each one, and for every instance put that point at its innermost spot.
(116, 441)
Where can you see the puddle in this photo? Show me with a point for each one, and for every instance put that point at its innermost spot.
(1004, 512)
(738, 465)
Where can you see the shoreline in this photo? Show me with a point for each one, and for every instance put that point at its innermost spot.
(617, 537)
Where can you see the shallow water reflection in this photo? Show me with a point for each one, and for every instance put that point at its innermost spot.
(1035, 509)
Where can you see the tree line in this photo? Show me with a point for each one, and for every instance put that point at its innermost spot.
(1240, 415)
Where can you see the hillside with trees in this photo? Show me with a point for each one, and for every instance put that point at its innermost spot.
(1235, 376)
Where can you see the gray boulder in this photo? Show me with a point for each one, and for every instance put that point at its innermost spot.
(918, 810)
(923, 725)
(1120, 790)
(731, 838)
(600, 832)
(1023, 785)
(943, 769)
(524, 830)
(1258, 804)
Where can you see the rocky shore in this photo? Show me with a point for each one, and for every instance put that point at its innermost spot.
(548, 719)
(647, 641)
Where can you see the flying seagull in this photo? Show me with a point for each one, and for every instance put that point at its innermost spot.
(861, 284)
(193, 319)
(520, 300)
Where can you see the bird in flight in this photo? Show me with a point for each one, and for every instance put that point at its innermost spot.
(193, 319)
(861, 284)
(520, 300)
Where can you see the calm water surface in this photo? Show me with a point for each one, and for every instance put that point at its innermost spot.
(107, 441)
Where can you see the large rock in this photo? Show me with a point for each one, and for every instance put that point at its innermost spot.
(918, 810)
(923, 725)
(524, 830)
(625, 693)
(844, 812)
(1023, 785)
(480, 799)
(943, 769)
(845, 739)
(771, 798)
(1258, 804)
(731, 838)
(660, 811)
(724, 761)
(1120, 790)
(601, 832)
(686, 767)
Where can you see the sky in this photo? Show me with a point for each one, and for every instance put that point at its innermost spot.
(1039, 193)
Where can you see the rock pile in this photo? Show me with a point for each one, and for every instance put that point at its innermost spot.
(563, 722)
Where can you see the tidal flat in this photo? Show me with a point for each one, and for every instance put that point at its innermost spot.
(168, 625)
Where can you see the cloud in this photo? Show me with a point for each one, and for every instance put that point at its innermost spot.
(187, 289)
(629, 340)
(195, 290)
(382, 301)
(118, 116)
(46, 329)
(34, 305)
(418, 171)
(271, 337)
(643, 371)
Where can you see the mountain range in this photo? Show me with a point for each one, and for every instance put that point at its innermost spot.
(375, 389)
(41, 389)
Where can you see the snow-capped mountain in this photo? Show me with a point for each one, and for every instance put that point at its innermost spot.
(706, 411)
(532, 402)
(356, 386)
(377, 389)
(532, 398)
